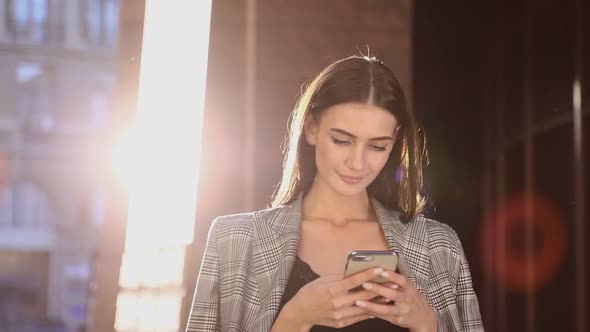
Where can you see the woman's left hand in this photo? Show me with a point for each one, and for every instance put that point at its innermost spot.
(410, 308)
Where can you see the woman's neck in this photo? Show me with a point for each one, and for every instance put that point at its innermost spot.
(323, 204)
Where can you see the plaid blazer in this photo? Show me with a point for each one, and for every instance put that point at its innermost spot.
(248, 260)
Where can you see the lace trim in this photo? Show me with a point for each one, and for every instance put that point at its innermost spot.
(304, 270)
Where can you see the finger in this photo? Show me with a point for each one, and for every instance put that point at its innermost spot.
(405, 295)
(349, 320)
(399, 317)
(381, 300)
(357, 279)
(379, 309)
(396, 278)
(347, 312)
(391, 285)
(386, 292)
(349, 299)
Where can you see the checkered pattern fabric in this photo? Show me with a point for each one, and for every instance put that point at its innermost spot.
(249, 257)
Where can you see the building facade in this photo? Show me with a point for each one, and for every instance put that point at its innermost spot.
(57, 73)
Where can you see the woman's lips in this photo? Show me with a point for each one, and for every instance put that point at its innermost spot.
(350, 179)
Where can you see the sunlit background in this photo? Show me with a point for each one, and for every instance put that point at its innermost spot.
(126, 126)
(57, 76)
(158, 161)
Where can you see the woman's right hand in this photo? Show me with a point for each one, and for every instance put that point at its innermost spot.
(327, 301)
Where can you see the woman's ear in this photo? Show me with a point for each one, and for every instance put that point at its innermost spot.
(310, 128)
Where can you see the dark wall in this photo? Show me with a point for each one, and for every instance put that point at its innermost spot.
(494, 88)
(449, 98)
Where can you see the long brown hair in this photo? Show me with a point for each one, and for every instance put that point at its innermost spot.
(357, 79)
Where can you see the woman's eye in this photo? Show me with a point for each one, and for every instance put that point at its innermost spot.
(339, 142)
(377, 148)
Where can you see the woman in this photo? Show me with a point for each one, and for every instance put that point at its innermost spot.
(351, 181)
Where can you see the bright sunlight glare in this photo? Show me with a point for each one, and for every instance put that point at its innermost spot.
(158, 161)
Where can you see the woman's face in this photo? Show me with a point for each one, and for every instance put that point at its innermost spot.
(352, 144)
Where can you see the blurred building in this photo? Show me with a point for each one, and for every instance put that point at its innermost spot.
(57, 72)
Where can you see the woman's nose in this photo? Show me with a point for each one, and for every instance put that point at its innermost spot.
(356, 159)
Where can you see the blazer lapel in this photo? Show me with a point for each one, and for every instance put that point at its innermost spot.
(410, 240)
(275, 243)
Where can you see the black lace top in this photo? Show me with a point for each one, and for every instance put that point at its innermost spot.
(301, 275)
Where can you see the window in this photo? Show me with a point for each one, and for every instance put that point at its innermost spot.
(6, 207)
(101, 22)
(37, 117)
(32, 206)
(36, 99)
(28, 20)
(25, 205)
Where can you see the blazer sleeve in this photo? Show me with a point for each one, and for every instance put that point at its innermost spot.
(204, 313)
(467, 303)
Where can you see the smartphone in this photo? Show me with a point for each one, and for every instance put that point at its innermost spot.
(360, 260)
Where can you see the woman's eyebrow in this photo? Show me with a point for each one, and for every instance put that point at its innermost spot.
(344, 132)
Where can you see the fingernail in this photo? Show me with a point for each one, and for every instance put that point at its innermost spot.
(378, 271)
(360, 303)
(385, 274)
(394, 286)
(367, 285)
(371, 317)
